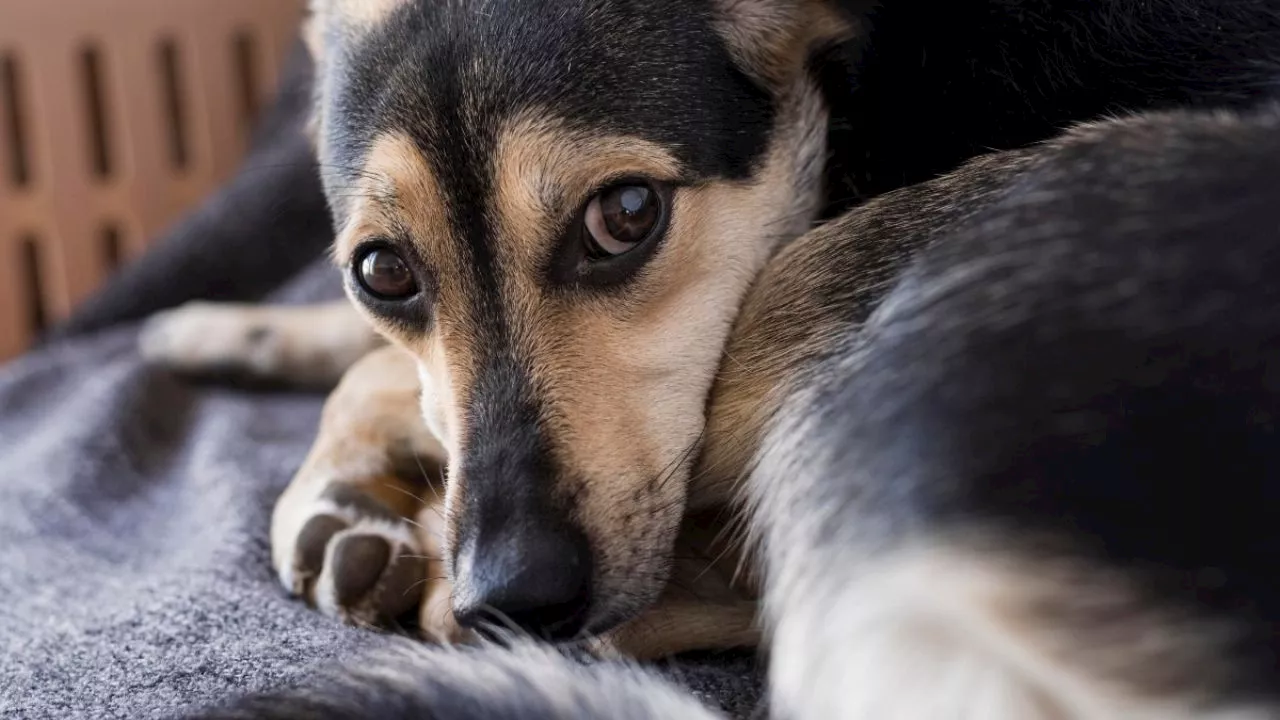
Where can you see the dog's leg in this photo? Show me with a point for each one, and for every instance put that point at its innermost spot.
(301, 345)
(358, 531)
(710, 601)
(708, 604)
(681, 623)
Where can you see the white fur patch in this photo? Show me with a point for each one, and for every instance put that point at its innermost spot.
(929, 633)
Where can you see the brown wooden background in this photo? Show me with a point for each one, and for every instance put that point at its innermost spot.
(116, 116)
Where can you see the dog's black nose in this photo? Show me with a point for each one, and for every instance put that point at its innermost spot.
(540, 580)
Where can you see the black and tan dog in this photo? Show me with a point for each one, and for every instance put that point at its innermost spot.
(1004, 422)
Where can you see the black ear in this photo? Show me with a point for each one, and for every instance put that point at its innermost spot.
(330, 24)
(773, 39)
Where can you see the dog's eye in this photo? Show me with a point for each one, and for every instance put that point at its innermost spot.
(385, 275)
(620, 218)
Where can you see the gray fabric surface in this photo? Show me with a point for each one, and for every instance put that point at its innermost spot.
(134, 562)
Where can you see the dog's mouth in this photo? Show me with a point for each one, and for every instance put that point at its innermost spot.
(576, 631)
(498, 627)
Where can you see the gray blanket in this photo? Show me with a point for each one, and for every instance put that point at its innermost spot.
(134, 506)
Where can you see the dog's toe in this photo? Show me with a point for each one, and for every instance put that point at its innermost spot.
(312, 542)
(365, 570)
(358, 561)
(372, 576)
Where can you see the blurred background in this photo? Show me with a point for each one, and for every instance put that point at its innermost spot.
(117, 117)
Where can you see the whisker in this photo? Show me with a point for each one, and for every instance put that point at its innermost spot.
(674, 467)
(399, 489)
(423, 581)
(426, 476)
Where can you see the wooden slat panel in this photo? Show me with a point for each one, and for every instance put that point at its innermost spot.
(66, 205)
(219, 96)
(138, 200)
(64, 164)
(13, 302)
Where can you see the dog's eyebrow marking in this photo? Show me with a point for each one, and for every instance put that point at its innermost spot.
(398, 194)
(542, 167)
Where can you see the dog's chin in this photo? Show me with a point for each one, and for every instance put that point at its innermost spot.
(602, 624)
(619, 607)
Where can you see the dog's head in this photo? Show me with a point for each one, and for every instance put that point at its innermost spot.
(556, 206)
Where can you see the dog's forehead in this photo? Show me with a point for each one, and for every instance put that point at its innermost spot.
(452, 74)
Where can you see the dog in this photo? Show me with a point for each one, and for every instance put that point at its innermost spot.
(954, 408)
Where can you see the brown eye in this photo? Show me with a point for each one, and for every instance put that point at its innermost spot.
(386, 275)
(620, 218)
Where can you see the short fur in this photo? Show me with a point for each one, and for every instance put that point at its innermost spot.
(958, 407)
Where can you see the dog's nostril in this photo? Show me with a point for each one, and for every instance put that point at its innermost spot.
(538, 582)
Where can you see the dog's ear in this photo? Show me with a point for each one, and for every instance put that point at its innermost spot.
(774, 39)
(328, 25)
(331, 19)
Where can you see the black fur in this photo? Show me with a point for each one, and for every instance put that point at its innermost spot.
(1089, 361)
(655, 70)
(935, 83)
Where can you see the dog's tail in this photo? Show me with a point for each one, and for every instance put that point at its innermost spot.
(524, 682)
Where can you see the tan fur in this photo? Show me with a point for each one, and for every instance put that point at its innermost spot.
(371, 440)
(624, 382)
(401, 197)
(709, 600)
(542, 166)
(775, 39)
(658, 357)
(803, 299)
(678, 625)
(399, 192)
(370, 426)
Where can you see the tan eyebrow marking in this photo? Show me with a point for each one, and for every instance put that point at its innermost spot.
(541, 163)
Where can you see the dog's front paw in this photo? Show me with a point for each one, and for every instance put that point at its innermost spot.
(202, 337)
(355, 560)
